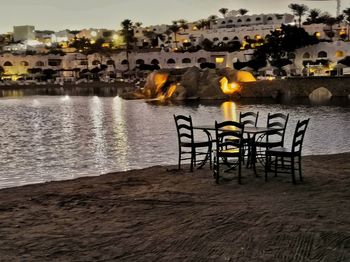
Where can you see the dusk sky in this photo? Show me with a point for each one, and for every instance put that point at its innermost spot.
(78, 14)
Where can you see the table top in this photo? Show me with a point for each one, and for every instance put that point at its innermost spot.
(247, 129)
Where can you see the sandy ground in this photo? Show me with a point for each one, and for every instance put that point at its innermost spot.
(159, 214)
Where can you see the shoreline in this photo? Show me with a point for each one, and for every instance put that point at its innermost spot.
(159, 213)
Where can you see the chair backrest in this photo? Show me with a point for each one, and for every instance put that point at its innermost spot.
(299, 135)
(229, 134)
(184, 128)
(249, 118)
(277, 120)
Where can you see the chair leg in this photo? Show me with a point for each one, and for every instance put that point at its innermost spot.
(293, 170)
(210, 158)
(192, 159)
(276, 165)
(239, 170)
(217, 169)
(300, 175)
(267, 163)
(179, 163)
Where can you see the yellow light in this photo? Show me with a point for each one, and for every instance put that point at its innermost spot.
(186, 41)
(195, 28)
(106, 45)
(92, 42)
(229, 110)
(271, 78)
(258, 37)
(228, 88)
(219, 60)
(318, 34)
(115, 37)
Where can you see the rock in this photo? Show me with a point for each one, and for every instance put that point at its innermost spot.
(229, 73)
(190, 81)
(320, 95)
(179, 94)
(154, 82)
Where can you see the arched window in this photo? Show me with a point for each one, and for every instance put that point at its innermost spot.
(215, 39)
(186, 61)
(155, 62)
(239, 21)
(225, 38)
(110, 62)
(258, 19)
(24, 63)
(322, 54)
(236, 38)
(291, 56)
(125, 62)
(39, 63)
(248, 20)
(7, 63)
(83, 62)
(201, 60)
(140, 61)
(269, 18)
(230, 21)
(306, 55)
(171, 61)
(223, 22)
(339, 53)
(96, 62)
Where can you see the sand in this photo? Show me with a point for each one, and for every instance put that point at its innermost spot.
(160, 214)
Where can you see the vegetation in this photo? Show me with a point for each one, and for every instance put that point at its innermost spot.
(223, 11)
(128, 34)
(298, 10)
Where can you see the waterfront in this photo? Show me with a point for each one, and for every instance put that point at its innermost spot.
(55, 138)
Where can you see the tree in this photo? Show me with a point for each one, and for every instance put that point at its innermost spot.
(242, 11)
(298, 10)
(128, 34)
(330, 22)
(212, 20)
(223, 11)
(346, 12)
(183, 24)
(175, 28)
(313, 17)
(203, 23)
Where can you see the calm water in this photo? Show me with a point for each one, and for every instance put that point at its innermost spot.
(55, 138)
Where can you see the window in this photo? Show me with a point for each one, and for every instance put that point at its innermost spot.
(258, 19)
(140, 61)
(215, 39)
(306, 55)
(339, 53)
(239, 21)
(225, 38)
(83, 62)
(269, 18)
(54, 62)
(248, 20)
(39, 63)
(24, 63)
(96, 62)
(171, 61)
(186, 61)
(7, 63)
(110, 62)
(125, 62)
(322, 54)
(201, 60)
(223, 22)
(230, 21)
(155, 62)
(236, 38)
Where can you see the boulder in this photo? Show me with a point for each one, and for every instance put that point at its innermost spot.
(190, 81)
(320, 95)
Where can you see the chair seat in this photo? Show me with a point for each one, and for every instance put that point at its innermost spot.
(281, 151)
(268, 144)
(196, 144)
(229, 152)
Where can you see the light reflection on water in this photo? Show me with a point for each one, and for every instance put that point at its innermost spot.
(55, 138)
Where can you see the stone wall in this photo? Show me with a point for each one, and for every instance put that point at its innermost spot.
(296, 87)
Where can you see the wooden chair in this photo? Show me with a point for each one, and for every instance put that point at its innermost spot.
(248, 119)
(189, 149)
(229, 143)
(292, 154)
(272, 139)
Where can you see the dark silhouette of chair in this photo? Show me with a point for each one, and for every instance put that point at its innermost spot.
(274, 138)
(248, 119)
(292, 154)
(189, 149)
(229, 143)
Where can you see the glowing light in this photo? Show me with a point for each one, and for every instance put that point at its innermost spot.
(171, 90)
(159, 80)
(93, 33)
(244, 76)
(219, 60)
(228, 88)
(115, 37)
(318, 34)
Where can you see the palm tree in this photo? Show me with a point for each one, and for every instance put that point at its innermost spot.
(298, 10)
(175, 28)
(330, 21)
(138, 24)
(212, 19)
(346, 12)
(242, 11)
(203, 23)
(183, 24)
(313, 17)
(128, 34)
(223, 11)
